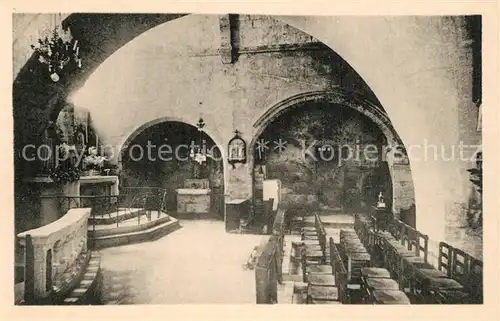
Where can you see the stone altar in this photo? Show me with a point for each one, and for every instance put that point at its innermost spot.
(194, 197)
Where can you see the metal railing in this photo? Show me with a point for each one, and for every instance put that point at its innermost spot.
(138, 203)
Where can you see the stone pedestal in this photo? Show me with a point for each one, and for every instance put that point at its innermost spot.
(111, 181)
(272, 190)
(50, 206)
(235, 210)
(193, 200)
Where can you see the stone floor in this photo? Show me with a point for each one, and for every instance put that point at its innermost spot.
(200, 263)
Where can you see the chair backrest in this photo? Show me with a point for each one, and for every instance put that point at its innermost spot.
(418, 242)
(460, 266)
(475, 284)
(338, 269)
(362, 228)
(321, 232)
(445, 257)
(397, 229)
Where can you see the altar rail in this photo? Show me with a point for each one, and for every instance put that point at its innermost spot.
(51, 251)
(268, 270)
(131, 202)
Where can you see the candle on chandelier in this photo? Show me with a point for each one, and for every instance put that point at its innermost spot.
(74, 46)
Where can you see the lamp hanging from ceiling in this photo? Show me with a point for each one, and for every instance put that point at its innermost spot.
(198, 152)
(58, 52)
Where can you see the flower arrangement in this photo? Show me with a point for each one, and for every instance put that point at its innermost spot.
(93, 161)
(65, 172)
(62, 174)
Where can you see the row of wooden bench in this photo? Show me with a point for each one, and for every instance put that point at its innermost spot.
(404, 252)
(342, 273)
(367, 283)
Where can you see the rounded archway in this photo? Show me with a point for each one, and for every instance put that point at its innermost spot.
(349, 125)
(399, 89)
(162, 154)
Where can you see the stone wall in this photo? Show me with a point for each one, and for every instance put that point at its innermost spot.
(166, 170)
(65, 238)
(332, 179)
(204, 86)
(422, 76)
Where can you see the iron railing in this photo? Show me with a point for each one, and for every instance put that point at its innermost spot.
(138, 203)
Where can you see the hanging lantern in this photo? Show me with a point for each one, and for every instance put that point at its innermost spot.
(198, 154)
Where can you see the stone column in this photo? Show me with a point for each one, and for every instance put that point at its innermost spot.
(35, 272)
(115, 187)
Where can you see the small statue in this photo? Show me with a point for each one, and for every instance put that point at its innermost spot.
(381, 202)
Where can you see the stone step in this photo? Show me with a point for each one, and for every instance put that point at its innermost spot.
(127, 226)
(150, 234)
(111, 218)
(80, 294)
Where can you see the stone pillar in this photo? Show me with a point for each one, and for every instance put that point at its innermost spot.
(49, 206)
(115, 188)
(227, 50)
(35, 278)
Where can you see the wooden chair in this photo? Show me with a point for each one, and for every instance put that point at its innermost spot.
(419, 275)
(363, 229)
(453, 290)
(475, 281)
(419, 244)
(321, 293)
(317, 253)
(339, 272)
(432, 287)
(321, 287)
(374, 273)
(313, 268)
(389, 297)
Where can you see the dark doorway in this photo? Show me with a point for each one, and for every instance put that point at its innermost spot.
(171, 168)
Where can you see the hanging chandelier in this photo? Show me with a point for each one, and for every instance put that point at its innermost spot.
(59, 52)
(198, 152)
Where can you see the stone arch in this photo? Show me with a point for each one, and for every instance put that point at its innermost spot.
(360, 104)
(212, 133)
(390, 83)
(123, 145)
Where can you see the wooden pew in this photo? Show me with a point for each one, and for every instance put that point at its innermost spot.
(316, 252)
(457, 279)
(339, 272)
